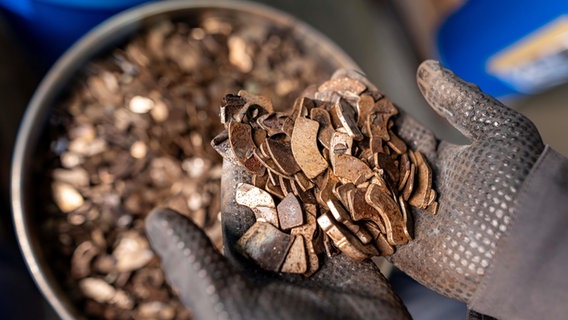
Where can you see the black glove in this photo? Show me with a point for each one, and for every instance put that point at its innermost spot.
(214, 288)
(478, 183)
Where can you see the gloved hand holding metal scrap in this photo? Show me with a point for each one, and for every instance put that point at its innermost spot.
(311, 194)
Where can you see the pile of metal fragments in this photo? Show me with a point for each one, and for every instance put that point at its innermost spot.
(333, 162)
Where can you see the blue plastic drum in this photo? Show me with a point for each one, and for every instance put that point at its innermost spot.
(46, 28)
(507, 47)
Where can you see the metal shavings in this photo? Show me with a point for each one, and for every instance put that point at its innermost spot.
(337, 158)
(130, 136)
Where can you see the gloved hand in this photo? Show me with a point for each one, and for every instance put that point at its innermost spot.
(218, 287)
(478, 183)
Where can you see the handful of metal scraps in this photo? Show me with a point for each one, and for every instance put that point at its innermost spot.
(332, 162)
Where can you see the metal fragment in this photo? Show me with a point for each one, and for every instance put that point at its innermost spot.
(396, 143)
(290, 212)
(303, 182)
(258, 137)
(341, 215)
(340, 143)
(421, 194)
(360, 210)
(281, 152)
(351, 169)
(273, 189)
(404, 171)
(240, 138)
(346, 115)
(406, 217)
(385, 162)
(432, 208)
(305, 149)
(365, 106)
(344, 240)
(230, 108)
(379, 239)
(330, 250)
(341, 193)
(259, 201)
(385, 106)
(296, 261)
(285, 185)
(325, 126)
(325, 188)
(409, 186)
(272, 123)
(222, 145)
(266, 245)
(302, 107)
(390, 214)
(259, 181)
(308, 231)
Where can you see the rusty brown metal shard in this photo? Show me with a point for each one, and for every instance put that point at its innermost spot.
(409, 186)
(421, 194)
(259, 201)
(385, 162)
(390, 213)
(330, 249)
(342, 216)
(386, 106)
(242, 144)
(290, 212)
(404, 171)
(296, 260)
(365, 107)
(281, 153)
(232, 104)
(341, 193)
(266, 245)
(273, 189)
(305, 149)
(325, 190)
(346, 115)
(352, 169)
(379, 239)
(301, 107)
(222, 145)
(325, 126)
(273, 123)
(396, 143)
(303, 182)
(308, 231)
(361, 210)
(344, 240)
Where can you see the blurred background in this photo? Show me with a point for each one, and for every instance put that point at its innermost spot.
(519, 59)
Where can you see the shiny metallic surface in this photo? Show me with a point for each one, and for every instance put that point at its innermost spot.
(105, 37)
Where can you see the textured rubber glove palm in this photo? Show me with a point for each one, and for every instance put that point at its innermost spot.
(478, 183)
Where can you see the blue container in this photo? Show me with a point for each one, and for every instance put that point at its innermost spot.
(46, 28)
(507, 47)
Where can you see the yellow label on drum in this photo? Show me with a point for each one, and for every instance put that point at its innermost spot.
(536, 62)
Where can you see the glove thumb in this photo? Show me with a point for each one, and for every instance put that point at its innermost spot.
(202, 277)
(475, 114)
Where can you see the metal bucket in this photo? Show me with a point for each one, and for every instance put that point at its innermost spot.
(101, 40)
